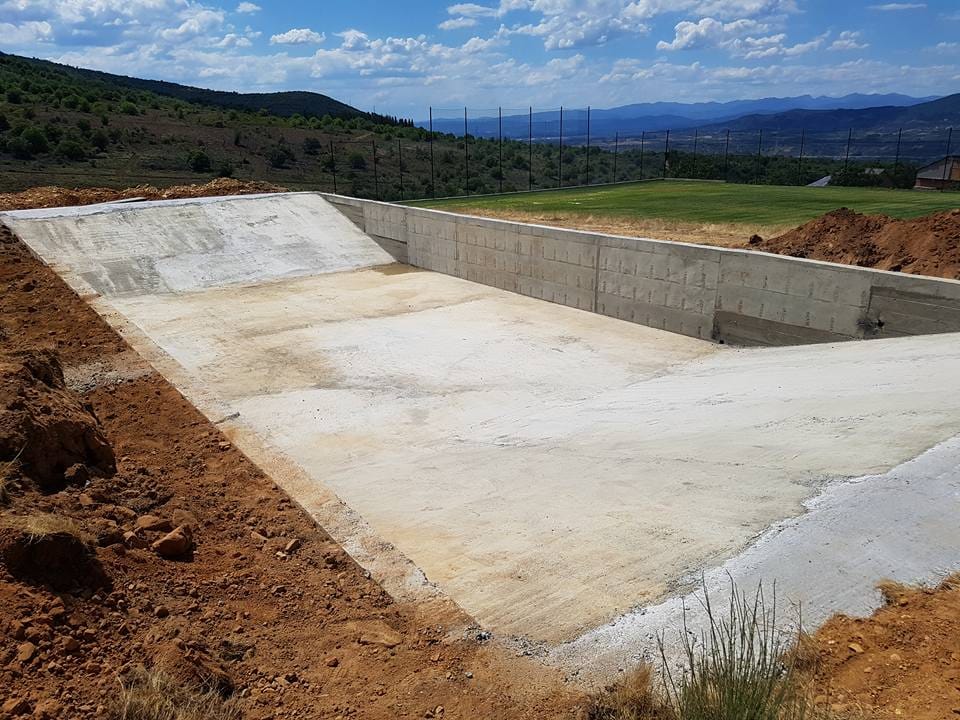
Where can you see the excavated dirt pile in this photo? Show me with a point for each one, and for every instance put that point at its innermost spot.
(928, 245)
(43, 426)
(44, 197)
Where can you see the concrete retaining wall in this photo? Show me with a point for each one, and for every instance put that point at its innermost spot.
(734, 296)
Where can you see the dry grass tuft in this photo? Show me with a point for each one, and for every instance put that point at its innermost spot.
(152, 695)
(632, 698)
(41, 525)
(802, 656)
(6, 476)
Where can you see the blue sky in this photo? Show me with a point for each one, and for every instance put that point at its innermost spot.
(401, 57)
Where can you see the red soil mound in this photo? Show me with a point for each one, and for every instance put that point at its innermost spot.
(904, 661)
(44, 197)
(44, 427)
(928, 245)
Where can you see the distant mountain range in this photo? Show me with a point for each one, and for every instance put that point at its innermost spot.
(928, 117)
(813, 113)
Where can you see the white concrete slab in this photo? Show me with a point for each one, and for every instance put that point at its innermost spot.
(180, 246)
(550, 469)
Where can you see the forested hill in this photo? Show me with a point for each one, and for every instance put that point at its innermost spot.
(282, 104)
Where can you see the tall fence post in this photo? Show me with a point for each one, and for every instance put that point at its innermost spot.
(560, 167)
(588, 144)
(726, 158)
(756, 175)
(466, 156)
(846, 157)
(666, 154)
(376, 175)
(530, 150)
(803, 137)
(400, 159)
(946, 160)
(333, 167)
(696, 139)
(643, 138)
(616, 152)
(896, 161)
(433, 187)
(500, 126)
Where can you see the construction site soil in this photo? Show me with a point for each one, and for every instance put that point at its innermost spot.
(133, 533)
(928, 245)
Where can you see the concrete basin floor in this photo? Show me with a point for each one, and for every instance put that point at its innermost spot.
(547, 467)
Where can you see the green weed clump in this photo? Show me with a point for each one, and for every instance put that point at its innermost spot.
(741, 666)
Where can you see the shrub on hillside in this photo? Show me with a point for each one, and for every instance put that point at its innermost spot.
(36, 140)
(100, 140)
(199, 162)
(71, 150)
(279, 156)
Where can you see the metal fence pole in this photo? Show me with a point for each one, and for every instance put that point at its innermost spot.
(666, 153)
(433, 187)
(643, 138)
(896, 162)
(616, 152)
(376, 175)
(530, 150)
(560, 168)
(726, 159)
(846, 157)
(333, 167)
(756, 176)
(500, 121)
(696, 138)
(400, 158)
(803, 137)
(466, 156)
(588, 144)
(946, 160)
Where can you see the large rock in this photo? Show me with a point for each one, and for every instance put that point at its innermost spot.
(175, 544)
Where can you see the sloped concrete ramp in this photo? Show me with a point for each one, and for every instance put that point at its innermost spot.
(548, 468)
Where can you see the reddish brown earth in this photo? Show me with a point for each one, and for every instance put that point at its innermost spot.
(904, 662)
(43, 197)
(262, 604)
(928, 245)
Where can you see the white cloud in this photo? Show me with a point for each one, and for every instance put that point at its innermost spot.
(298, 36)
(744, 38)
(26, 33)
(567, 24)
(457, 23)
(354, 39)
(708, 32)
(248, 8)
(848, 40)
(945, 48)
(896, 7)
(472, 10)
(196, 22)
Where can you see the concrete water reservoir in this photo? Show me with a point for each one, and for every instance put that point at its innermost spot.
(549, 468)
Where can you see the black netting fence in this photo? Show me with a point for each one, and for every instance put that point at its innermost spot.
(473, 151)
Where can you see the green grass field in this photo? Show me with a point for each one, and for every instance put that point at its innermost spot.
(710, 202)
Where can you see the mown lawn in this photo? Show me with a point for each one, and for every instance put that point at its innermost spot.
(709, 202)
